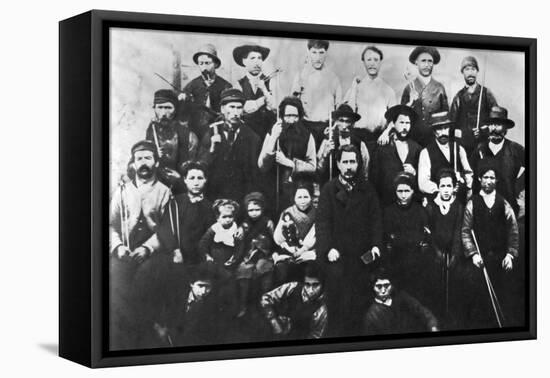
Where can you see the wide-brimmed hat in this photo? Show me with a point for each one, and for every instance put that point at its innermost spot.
(440, 119)
(345, 110)
(241, 52)
(231, 95)
(393, 112)
(499, 115)
(425, 49)
(209, 50)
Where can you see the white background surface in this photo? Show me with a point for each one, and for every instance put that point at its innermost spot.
(29, 169)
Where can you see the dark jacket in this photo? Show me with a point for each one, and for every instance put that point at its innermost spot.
(349, 222)
(232, 168)
(432, 99)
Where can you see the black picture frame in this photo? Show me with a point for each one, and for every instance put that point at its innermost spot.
(84, 151)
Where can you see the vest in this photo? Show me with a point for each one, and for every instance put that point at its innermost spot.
(438, 161)
(490, 226)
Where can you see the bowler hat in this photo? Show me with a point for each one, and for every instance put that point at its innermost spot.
(499, 115)
(165, 95)
(241, 52)
(424, 49)
(209, 50)
(231, 95)
(440, 119)
(345, 110)
(393, 112)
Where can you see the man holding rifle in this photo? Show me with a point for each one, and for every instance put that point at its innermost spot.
(491, 240)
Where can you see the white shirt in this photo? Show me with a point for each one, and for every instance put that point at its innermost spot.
(425, 183)
(402, 148)
(496, 147)
(488, 198)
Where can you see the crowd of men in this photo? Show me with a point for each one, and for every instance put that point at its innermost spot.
(251, 215)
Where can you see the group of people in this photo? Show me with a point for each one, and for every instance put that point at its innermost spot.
(245, 215)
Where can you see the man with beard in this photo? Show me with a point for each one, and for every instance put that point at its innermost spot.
(174, 141)
(507, 156)
(135, 213)
(343, 134)
(230, 149)
(395, 311)
(439, 154)
(349, 237)
(401, 154)
(491, 240)
(371, 96)
(424, 94)
(288, 149)
(202, 94)
(298, 310)
(319, 89)
(260, 102)
(465, 105)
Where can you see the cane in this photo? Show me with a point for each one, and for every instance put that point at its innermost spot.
(481, 93)
(492, 295)
(124, 228)
(330, 138)
(156, 139)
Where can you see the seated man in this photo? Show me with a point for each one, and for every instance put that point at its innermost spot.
(297, 310)
(395, 311)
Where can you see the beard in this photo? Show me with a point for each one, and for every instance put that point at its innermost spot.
(470, 80)
(144, 172)
(496, 138)
(402, 135)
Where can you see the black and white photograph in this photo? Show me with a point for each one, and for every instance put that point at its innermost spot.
(273, 189)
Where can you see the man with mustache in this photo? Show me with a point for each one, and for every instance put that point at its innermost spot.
(464, 108)
(401, 154)
(174, 141)
(230, 150)
(202, 94)
(424, 94)
(319, 89)
(256, 87)
(344, 119)
(290, 147)
(371, 96)
(490, 219)
(135, 213)
(507, 156)
(349, 237)
(439, 154)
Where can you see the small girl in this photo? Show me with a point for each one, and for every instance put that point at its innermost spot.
(257, 244)
(295, 233)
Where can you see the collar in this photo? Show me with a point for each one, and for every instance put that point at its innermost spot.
(424, 80)
(348, 186)
(225, 235)
(195, 199)
(444, 206)
(488, 198)
(388, 302)
(138, 183)
(496, 147)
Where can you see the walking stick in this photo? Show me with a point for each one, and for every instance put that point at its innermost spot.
(155, 136)
(492, 294)
(124, 227)
(277, 166)
(481, 92)
(330, 138)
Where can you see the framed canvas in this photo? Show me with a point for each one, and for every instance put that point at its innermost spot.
(236, 188)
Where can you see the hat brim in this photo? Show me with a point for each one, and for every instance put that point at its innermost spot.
(392, 112)
(423, 49)
(354, 116)
(508, 123)
(240, 52)
(439, 124)
(216, 60)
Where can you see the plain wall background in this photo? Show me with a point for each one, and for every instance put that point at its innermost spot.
(136, 55)
(28, 275)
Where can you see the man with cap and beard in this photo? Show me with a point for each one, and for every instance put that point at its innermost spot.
(349, 237)
(288, 148)
(465, 105)
(174, 141)
(343, 133)
(259, 103)
(135, 212)
(401, 154)
(202, 94)
(490, 238)
(441, 153)
(508, 157)
(230, 149)
(424, 94)
(319, 89)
